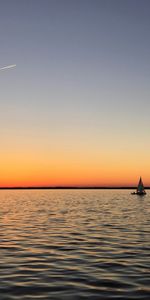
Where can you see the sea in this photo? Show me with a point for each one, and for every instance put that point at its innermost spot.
(74, 244)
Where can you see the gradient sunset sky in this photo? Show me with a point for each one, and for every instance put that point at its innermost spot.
(76, 108)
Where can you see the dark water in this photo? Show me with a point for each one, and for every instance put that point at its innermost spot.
(74, 244)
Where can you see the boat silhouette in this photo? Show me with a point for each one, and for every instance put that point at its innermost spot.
(140, 189)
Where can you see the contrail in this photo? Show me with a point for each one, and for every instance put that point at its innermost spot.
(8, 67)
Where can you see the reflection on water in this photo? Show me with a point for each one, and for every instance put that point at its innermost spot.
(74, 244)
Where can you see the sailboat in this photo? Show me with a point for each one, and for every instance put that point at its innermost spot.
(140, 189)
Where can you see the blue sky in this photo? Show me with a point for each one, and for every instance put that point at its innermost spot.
(82, 77)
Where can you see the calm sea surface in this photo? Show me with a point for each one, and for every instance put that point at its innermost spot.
(74, 244)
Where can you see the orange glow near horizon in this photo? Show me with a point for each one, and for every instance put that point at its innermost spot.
(69, 172)
(77, 164)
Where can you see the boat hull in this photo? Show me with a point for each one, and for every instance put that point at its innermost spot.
(139, 194)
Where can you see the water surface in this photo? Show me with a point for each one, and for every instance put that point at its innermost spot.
(74, 244)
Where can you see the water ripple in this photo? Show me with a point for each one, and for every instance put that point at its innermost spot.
(74, 244)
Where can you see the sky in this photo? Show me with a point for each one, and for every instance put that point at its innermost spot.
(75, 108)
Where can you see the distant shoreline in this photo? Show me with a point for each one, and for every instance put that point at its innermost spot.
(71, 188)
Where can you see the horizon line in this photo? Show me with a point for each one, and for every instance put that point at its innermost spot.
(67, 187)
